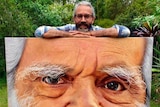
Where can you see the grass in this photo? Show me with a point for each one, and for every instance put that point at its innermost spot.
(3, 93)
(155, 93)
(154, 104)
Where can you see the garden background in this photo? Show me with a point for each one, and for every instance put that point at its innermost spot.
(20, 18)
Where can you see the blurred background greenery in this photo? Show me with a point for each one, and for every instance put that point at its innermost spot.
(20, 18)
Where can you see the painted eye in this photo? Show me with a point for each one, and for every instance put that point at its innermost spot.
(114, 85)
(52, 81)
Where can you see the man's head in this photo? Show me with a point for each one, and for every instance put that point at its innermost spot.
(83, 15)
(98, 72)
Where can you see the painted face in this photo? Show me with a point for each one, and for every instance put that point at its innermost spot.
(97, 72)
(83, 18)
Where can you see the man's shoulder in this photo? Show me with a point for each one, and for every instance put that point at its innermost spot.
(68, 27)
(95, 27)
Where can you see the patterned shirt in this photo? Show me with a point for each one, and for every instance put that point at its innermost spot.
(122, 30)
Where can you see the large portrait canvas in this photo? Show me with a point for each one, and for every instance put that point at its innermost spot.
(79, 72)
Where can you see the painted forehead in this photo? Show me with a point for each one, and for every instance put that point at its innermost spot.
(130, 44)
(76, 49)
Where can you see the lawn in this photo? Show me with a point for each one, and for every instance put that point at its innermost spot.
(155, 99)
(3, 93)
(154, 104)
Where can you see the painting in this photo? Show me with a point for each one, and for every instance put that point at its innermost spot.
(79, 72)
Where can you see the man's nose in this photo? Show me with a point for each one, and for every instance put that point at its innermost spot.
(84, 95)
(83, 19)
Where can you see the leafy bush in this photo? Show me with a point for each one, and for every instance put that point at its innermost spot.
(47, 14)
(64, 11)
(13, 21)
(105, 23)
(136, 8)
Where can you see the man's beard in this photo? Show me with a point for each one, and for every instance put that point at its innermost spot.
(88, 27)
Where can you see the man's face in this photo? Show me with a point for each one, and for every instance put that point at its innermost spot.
(97, 72)
(83, 18)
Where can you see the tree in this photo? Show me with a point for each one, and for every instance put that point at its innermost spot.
(115, 7)
(109, 10)
(136, 8)
(13, 21)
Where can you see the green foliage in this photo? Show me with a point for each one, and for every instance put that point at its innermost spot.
(152, 17)
(13, 22)
(3, 93)
(64, 11)
(147, 30)
(115, 8)
(156, 56)
(49, 14)
(105, 23)
(109, 9)
(3, 98)
(155, 91)
(151, 20)
(136, 8)
(99, 6)
(21, 18)
(154, 104)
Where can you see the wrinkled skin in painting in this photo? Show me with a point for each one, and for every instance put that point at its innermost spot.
(85, 72)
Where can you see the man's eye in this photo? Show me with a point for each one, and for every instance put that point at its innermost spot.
(79, 15)
(52, 81)
(114, 85)
(87, 16)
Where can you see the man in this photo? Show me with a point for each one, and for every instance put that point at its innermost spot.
(73, 72)
(84, 17)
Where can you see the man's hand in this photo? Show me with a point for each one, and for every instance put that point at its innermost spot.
(80, 34)
(56, 33)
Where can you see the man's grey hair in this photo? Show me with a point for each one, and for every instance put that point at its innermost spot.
(14, 48)
(86, 3)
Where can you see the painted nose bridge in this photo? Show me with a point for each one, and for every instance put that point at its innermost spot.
(90, 63)
(85, 94)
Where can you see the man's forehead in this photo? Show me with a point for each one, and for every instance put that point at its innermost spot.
(84, 8)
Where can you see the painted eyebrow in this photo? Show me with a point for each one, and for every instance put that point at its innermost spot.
(126, 73)
(42, 70)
